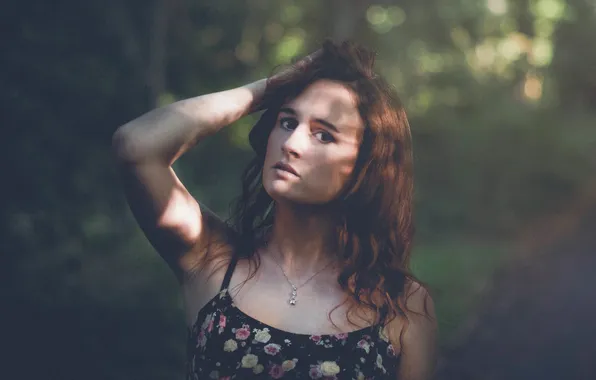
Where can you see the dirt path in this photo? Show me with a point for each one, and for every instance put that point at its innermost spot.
(539, 320)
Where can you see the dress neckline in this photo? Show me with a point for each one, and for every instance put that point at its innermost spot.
(225, 294)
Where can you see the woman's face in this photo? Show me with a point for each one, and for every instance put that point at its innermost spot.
(316, 136)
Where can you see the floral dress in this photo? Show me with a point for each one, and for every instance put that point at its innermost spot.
(225, 343)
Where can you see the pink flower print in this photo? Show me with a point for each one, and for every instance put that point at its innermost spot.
(315, 372)
(272, 348)
(242, 333)
(364, 345)
(341, 336)
(225, 378)
(222, 323)
(202, 340)
(210, 327)
(276, 371)
(315, 338)
(390, 350)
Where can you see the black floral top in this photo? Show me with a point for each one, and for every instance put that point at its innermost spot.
(225, 343)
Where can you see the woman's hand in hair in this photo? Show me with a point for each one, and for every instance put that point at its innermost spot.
(286, 75)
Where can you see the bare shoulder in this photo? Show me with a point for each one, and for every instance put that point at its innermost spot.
(418, 300)
(415, 334)
(419, 311)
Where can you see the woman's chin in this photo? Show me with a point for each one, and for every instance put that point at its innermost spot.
(285, 191)
(280, 192)
(292, 198)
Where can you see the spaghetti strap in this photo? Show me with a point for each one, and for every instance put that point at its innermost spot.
(229, 272)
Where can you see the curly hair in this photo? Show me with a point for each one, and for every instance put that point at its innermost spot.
(375, 229)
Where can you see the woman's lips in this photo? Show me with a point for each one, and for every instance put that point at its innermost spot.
(286, 167)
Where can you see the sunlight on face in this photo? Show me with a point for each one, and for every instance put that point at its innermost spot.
(318, 134)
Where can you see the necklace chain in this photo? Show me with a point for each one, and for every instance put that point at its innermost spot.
(294, 294)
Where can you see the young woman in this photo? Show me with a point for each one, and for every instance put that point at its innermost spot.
(310, 279)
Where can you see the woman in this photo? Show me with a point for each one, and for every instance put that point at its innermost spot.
(310, 279)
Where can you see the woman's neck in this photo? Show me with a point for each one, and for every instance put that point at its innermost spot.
(301, 239)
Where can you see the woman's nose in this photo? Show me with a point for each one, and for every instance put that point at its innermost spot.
(296, 142)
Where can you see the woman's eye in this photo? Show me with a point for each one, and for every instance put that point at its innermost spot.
(324, 137)
(288, 123)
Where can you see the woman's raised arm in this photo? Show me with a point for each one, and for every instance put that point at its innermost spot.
(146, 148)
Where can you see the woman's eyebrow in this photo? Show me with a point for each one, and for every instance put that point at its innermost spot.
(293, 112)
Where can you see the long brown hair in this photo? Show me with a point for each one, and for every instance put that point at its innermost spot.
(374, 229)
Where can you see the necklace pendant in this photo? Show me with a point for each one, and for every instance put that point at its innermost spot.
(292, 300)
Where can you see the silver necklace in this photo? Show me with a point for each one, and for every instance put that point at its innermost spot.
(294, 293)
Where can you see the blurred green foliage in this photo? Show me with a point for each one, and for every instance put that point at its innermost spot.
(501, 97)
(458, 272)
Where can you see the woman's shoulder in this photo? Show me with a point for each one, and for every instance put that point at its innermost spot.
(416, 295)
(414, 333)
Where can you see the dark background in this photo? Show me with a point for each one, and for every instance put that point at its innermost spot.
(501, 97)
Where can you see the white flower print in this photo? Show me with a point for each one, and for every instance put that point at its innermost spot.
(262, 336)
(289, 364)
(258, 369)
(380, 363)
(364, 345)
(272, 349)
(250, 361)
(329, 368)
(230, 345)
(206, 322)
(214, 375)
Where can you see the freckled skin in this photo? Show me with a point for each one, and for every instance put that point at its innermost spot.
(323, 158)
